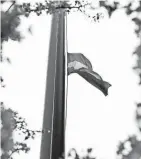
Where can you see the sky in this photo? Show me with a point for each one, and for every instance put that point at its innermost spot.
(93, 120)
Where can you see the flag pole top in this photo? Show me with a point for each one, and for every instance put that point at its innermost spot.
(59, 5)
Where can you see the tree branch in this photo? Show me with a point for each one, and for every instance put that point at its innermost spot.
(10, 6)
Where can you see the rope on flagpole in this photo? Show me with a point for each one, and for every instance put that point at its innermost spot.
(66, 72)
(66, 50)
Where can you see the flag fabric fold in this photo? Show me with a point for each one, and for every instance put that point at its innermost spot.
(78, 63)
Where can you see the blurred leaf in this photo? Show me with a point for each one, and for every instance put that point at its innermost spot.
(89, 150)
(9, 23)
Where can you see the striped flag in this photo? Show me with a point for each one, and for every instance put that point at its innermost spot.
(78, 63)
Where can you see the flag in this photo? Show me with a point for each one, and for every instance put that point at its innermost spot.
(78, 63)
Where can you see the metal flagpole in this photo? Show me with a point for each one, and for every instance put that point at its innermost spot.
(53, 138)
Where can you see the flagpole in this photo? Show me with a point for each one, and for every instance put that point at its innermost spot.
(53, 138)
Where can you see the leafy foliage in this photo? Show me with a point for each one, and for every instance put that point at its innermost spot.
(137, 21)
(12, 122)
(10, 20)
(135, 144)
(138, 49)
(2, 82)
(6, 131)
(110, 8)
(77, 156)
(134, 148)
(52, 6)
(138, 116)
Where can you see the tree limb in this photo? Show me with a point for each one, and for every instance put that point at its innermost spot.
(10, 6)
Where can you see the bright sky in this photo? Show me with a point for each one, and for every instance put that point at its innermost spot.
(93, 120)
